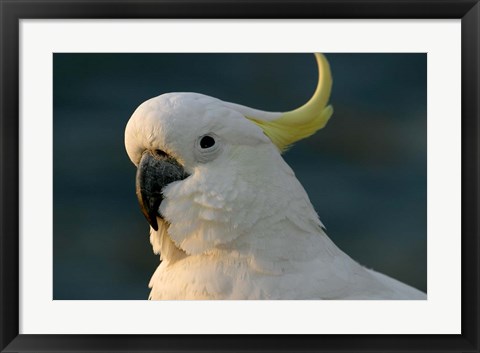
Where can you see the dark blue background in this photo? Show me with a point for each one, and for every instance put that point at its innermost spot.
(365, 172)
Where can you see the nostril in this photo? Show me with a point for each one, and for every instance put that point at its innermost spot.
(161, 153)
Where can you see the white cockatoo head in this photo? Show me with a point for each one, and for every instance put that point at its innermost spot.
(209, 170)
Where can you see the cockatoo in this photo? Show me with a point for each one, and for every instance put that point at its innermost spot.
(227, 215)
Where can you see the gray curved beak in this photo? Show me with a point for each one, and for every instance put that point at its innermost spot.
(155, 171)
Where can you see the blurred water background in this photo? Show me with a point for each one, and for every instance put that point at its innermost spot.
(365, 172)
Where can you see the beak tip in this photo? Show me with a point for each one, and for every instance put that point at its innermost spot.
(151, 218)
(154, 224)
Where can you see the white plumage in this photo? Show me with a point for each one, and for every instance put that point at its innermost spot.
(238, 224)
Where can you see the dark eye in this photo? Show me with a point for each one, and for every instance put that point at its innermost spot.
(207, 142)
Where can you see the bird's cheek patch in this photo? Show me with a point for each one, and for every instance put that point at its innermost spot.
(195, 226)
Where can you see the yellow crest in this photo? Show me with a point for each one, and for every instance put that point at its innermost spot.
(302, 122)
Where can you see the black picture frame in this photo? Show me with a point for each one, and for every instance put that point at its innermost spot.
(12, 11)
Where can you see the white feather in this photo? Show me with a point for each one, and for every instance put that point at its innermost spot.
(241, 226)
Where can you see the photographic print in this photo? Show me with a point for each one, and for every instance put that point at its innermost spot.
(128, 131)
(240, 176)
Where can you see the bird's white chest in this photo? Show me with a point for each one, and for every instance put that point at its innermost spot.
(208, 277)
